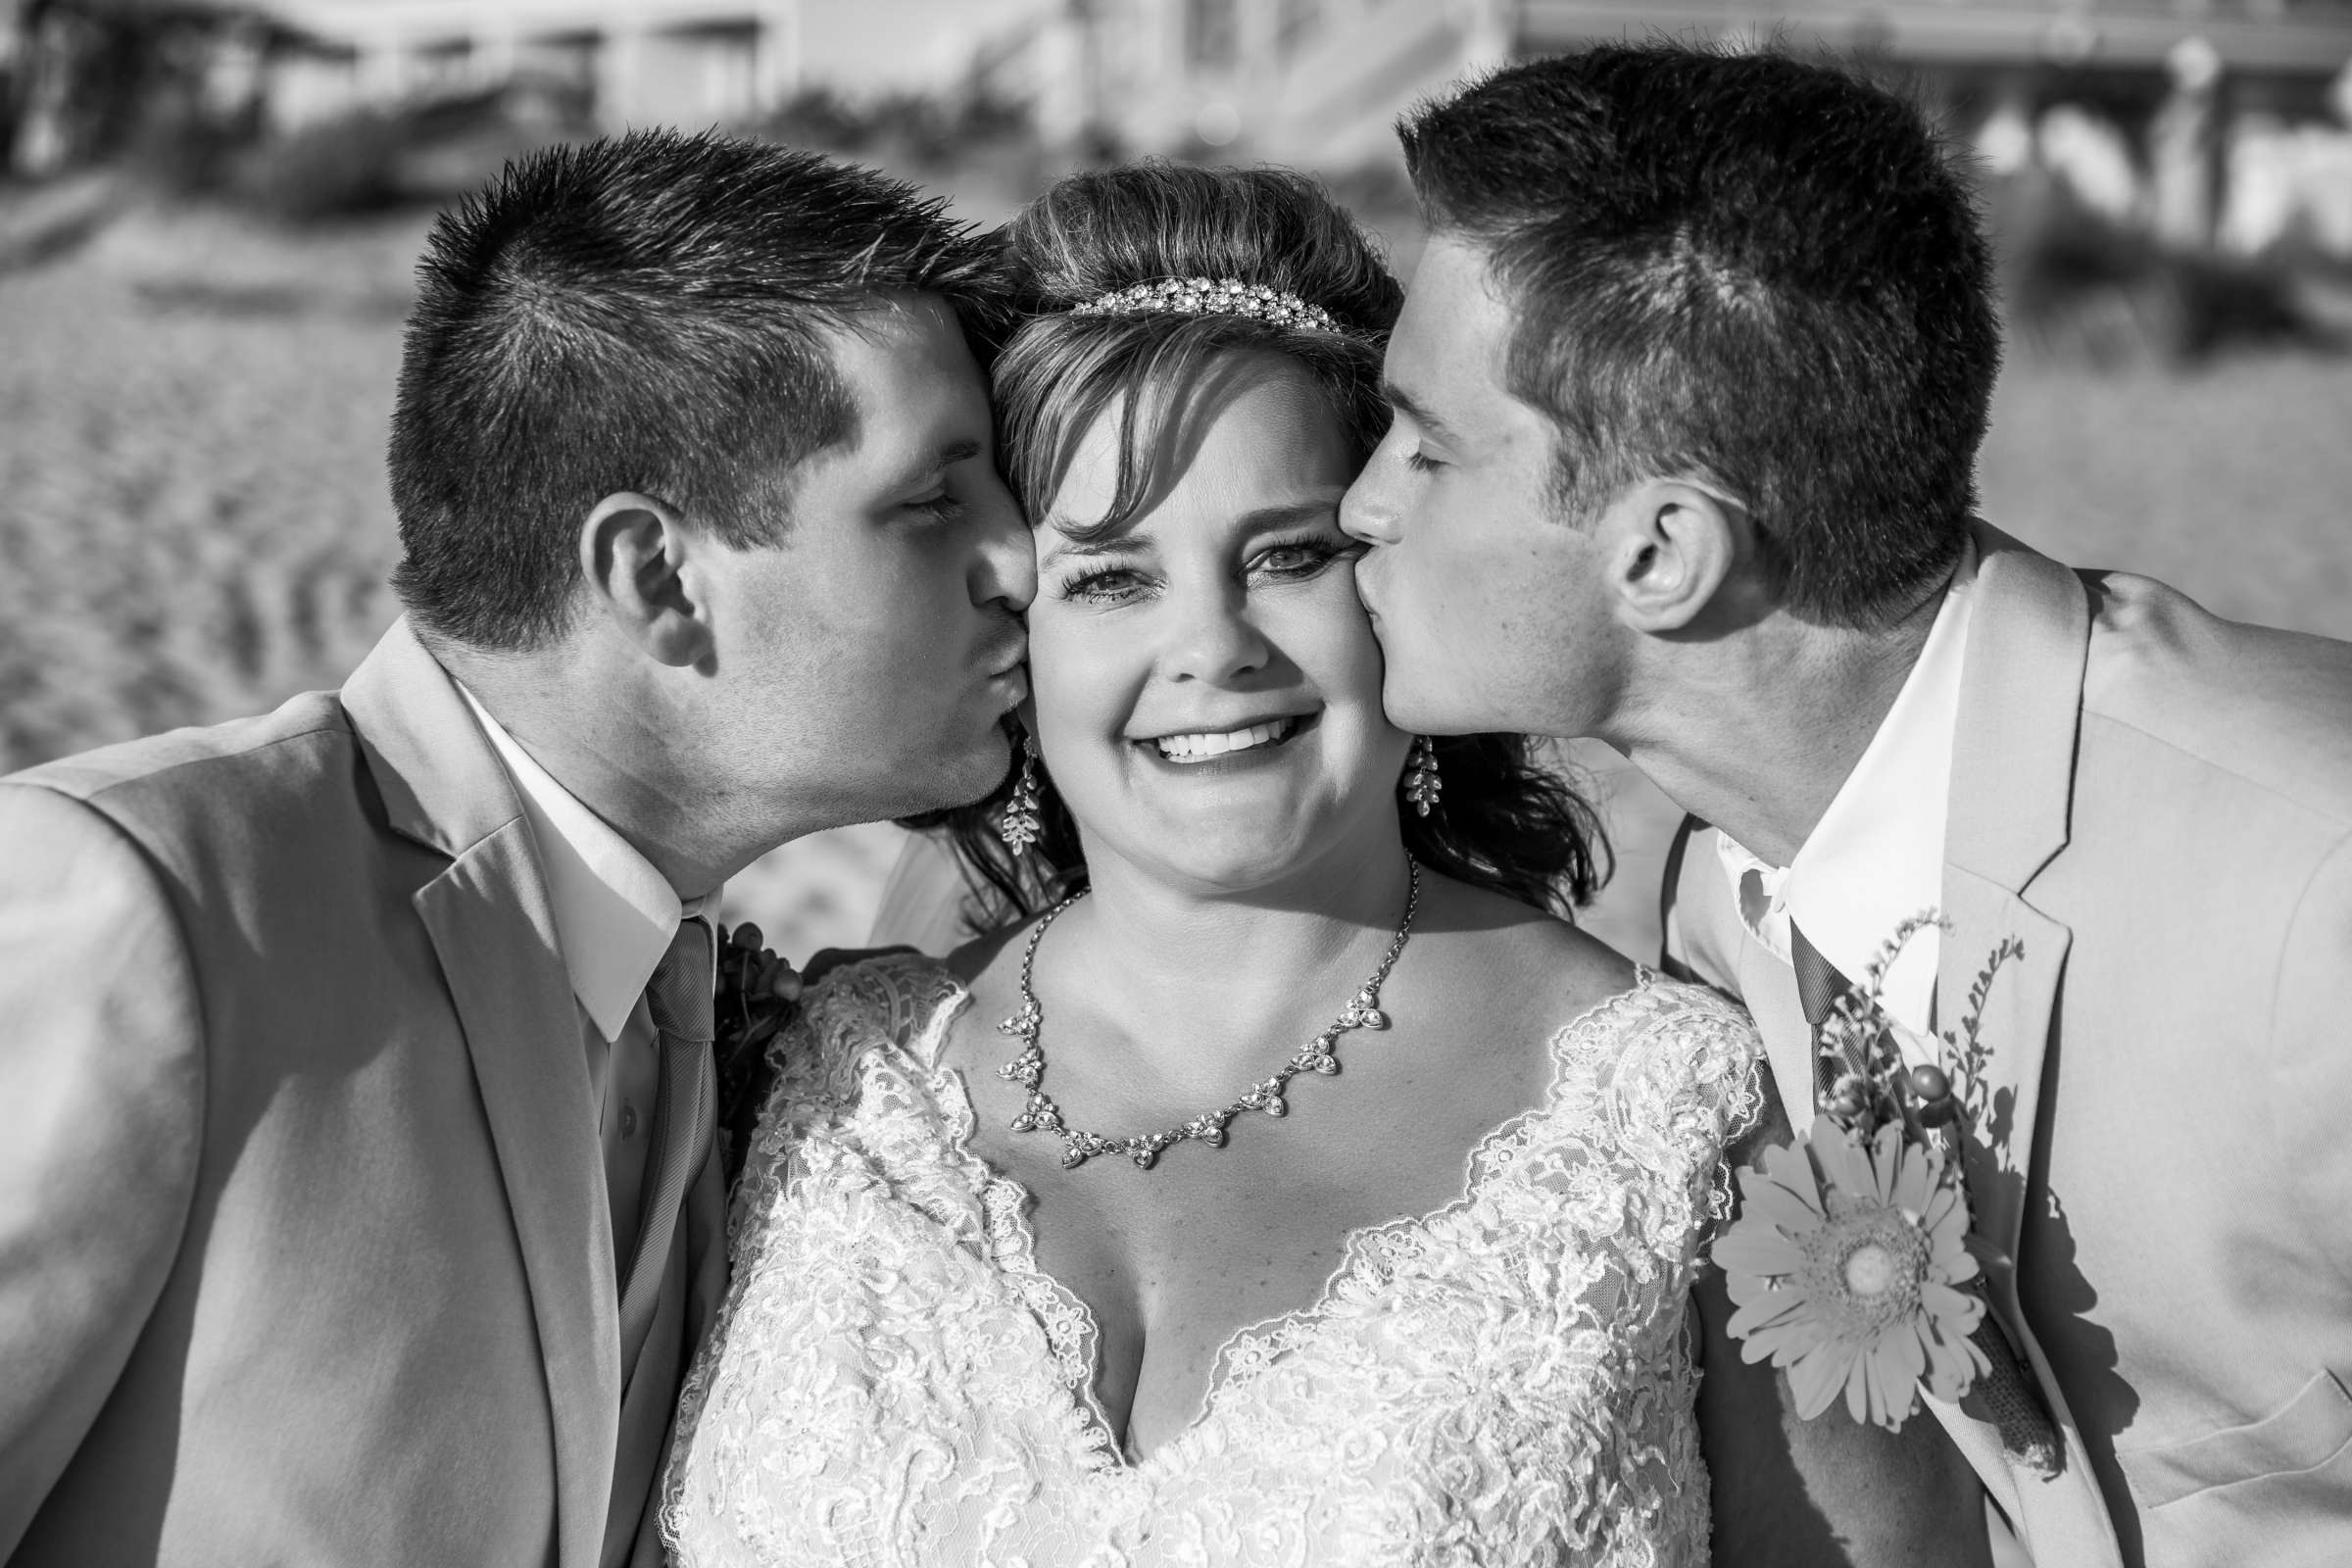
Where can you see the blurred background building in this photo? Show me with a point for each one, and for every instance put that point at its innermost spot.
(209, 209)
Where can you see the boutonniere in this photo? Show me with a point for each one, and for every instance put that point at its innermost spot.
(1851, 1257)
(757, 991)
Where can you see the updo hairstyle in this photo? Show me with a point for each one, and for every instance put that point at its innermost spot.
(1501, 822)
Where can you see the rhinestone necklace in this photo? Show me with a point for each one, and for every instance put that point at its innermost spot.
(1043, 1116)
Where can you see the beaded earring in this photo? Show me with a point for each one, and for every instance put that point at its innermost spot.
(1021, 825)
(1421, 774)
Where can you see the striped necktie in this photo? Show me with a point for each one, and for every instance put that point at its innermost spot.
(1819, 984)
(679, 997)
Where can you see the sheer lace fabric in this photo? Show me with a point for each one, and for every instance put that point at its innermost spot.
(1508, 1380)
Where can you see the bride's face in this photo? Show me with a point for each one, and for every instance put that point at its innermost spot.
(1205, 683)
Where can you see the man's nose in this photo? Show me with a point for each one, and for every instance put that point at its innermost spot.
(1366, 512)
(1006, 572)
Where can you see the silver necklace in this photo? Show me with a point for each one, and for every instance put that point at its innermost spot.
(1320, 1054)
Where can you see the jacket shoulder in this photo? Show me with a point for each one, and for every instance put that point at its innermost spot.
(255, 745)
(226, 793)
(2271, 708)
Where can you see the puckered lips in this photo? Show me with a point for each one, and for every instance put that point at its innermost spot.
(1224, 743)
(1007, 678)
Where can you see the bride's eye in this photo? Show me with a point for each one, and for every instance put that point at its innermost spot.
(1111, 585)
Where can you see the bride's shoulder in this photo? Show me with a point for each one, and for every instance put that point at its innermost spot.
(1518, 958)
(1506, 947)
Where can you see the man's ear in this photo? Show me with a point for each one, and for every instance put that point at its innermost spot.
(635, 554)
(1672, 547)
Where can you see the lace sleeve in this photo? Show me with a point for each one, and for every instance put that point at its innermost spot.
(1729, 1091)
(815, 1062)
(820, 1075)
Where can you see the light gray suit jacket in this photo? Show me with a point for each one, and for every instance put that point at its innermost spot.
(304, 1255)
(2157, 805)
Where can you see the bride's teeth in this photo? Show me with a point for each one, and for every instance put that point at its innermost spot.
(1198, 748)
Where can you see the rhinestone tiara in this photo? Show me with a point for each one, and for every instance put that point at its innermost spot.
(1208, 296)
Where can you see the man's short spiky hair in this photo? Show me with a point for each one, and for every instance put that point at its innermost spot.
(645, 313)
(1742, 269)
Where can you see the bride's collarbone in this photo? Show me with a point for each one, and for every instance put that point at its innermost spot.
(1172, 1262)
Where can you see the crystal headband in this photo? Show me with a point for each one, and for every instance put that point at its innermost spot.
(1203, 296)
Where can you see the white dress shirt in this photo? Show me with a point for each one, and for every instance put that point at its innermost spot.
(616, 917)
(1876, 857)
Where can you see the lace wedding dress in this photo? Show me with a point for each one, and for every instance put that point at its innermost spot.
(1506, 1381)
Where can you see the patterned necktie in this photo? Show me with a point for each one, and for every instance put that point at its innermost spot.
(1819, 984)
(679, 997)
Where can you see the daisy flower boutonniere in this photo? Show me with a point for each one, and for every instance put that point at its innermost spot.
(1847, 1263)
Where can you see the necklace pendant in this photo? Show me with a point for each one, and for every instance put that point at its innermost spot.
(1325, 1064)
(1275, 1105)
(1144, 1157)
(1072, 1155)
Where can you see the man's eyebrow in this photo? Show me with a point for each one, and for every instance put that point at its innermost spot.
(946, 457)
(1402, 401)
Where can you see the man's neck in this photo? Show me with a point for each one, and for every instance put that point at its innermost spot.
(1757, 734)
(616, 758)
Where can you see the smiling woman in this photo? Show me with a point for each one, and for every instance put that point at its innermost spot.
(1165, 308)
(1336, 1200)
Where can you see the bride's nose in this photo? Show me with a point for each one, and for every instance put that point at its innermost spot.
(1210, 637)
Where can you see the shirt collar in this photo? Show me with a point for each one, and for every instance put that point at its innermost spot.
(1876, 857)
(616, 915)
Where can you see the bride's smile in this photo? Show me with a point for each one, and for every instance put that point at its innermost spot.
(1243, 744)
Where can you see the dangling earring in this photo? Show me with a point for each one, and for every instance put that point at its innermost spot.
(1421, 774)
(1020, 825)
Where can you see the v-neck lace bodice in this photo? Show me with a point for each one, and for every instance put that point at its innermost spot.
(1508, 1379)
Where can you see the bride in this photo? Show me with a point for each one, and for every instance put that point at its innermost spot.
(1280, 1184)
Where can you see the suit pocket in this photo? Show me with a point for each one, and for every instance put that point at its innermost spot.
(2311, 1435)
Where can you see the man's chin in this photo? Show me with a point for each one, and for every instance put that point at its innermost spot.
(965, 779)
(1418, 709)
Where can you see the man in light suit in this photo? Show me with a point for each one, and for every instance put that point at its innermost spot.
(1690, 386)
(357, 1202)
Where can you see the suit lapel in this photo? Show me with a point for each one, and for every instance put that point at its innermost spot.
(493, 930)
(2001, 964)
(1998, 986)
(2013, 764)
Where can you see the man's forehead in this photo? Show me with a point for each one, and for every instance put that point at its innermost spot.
(1451, 337)
(911, 332)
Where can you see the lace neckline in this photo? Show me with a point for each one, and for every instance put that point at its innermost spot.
(1068, 1318)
